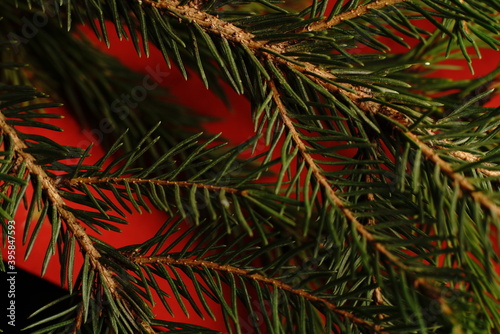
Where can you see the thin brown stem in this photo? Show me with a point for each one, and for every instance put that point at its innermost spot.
(78, 320)
(120, 180)
(378, 299)
(167, 260)
(351, 14)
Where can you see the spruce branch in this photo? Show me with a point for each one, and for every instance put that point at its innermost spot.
(57, 201)
(275, 54)
(339, 203)
(361, 97)
(414, 192)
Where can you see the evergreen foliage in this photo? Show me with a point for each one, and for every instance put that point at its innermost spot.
(394, 236)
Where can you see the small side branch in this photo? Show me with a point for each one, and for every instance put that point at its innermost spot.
(120, 180)
(357, 12)
(48, 184)
(469, 157)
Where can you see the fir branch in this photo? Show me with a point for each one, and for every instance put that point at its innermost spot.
(48, 184)
(425, 287)
(167, 260)
(363, 98)
(209, 22)
(272, 51)
(371, 104)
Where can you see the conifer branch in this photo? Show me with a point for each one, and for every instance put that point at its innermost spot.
(275, 52)
(207, 21)
(271, 51)
(119, 180)
(274, 64)
(48, 184)
(167, 260)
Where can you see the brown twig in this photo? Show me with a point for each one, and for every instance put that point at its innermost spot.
(351, 14)
(78, 320)
(118, 180)
(469, 157)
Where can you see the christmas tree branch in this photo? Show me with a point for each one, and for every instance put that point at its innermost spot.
(362, 97)
(397, 224)
(167, 260)
(48, 184)
(274, 52)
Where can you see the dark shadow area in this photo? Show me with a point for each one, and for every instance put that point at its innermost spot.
(29, 293)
